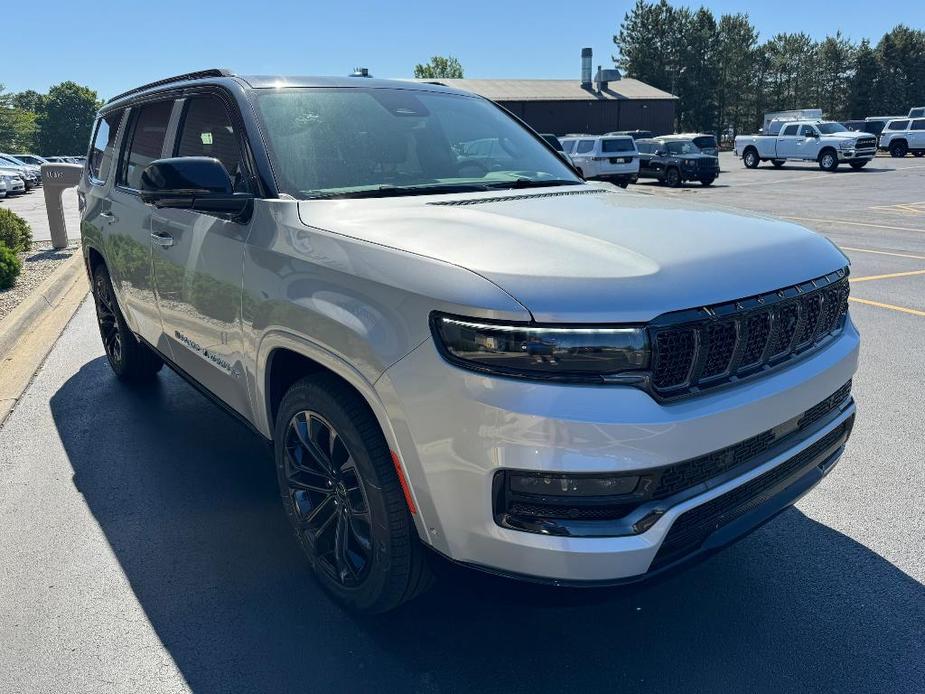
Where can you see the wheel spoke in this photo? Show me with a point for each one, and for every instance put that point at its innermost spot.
(341, 552)
(361, 536)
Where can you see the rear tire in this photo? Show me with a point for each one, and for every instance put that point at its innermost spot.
(898, 150)
(778, 163)
(918, 154)
(750, 158)
(342, 495)
(828, 160)
(131, 360)
(672, 177)
(858, 165)
(707, 181)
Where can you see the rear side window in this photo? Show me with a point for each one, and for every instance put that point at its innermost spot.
(104, 141)
(897, 125)
(790, 130)
(568, 145)
(621, 144)
(917, 112)
(207, 131)
(705, 142)
(918, 125)
(585, 146)
(147, 141)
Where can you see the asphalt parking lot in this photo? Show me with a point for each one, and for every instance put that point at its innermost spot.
(144, 547)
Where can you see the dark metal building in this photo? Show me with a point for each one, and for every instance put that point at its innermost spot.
(609, 102)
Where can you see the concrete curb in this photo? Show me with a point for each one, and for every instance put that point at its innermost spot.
(31, 330)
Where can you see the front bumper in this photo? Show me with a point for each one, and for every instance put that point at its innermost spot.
(856, 154)
(455, 429)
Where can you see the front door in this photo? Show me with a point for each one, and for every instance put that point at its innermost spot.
(788, 142)
(198, 261)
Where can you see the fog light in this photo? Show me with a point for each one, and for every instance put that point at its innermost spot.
(543, 484)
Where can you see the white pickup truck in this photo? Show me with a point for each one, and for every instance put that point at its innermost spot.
(825, 142)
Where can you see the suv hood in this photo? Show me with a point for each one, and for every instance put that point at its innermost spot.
(590, 253)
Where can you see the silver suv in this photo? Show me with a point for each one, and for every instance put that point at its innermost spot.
(455, 345)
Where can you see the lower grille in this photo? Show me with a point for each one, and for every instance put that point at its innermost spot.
(693, 527)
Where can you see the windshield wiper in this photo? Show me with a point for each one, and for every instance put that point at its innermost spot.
(389, 191)
(532, 183)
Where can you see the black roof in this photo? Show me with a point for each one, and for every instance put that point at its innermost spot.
(218, 75)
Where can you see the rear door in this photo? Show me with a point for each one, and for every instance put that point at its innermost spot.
(198, 258)
(583, 157)
(128, 242)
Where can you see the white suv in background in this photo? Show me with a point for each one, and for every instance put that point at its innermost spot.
(611, 158)
(904, 135)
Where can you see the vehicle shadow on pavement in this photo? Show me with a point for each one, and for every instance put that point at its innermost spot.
(187, 499)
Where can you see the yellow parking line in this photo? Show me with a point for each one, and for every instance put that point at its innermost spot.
(870, 250)
(857, 224)
(888, 276)
(901, 309)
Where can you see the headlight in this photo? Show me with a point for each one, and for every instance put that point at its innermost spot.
(847, 144)
(690, 162)
(560, 353)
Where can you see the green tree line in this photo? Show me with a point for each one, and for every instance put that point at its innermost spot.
(56, 123)
(726, 78)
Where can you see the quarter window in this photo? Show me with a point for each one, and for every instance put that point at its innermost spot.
(918, 125)
(147, 141)
(100, 160)
(208, 132)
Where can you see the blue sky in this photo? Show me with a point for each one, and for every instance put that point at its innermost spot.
(112, 46)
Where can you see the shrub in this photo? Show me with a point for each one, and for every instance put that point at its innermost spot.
(10, 267)
(15, 232)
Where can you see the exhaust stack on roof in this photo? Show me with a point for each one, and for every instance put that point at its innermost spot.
(586, 55)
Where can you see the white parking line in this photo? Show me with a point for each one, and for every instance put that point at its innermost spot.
(869, 250)
(857, 224)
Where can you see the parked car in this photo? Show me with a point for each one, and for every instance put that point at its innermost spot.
(605, 158)
(902, 136)
(31, 159)
(3, 186)
(917, 112)
(635, 134)
(31, 175)
(673, 161)
(527, 373)
(12, 180)
(825, 142)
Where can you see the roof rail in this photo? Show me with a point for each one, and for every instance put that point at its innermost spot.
(200, 74)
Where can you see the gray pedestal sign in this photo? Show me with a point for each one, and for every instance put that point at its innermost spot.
(56, 178)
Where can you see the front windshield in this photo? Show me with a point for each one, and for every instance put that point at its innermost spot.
(363, 141)
(829, 128)
(682, 147)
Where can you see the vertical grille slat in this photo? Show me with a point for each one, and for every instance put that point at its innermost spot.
(713, 345)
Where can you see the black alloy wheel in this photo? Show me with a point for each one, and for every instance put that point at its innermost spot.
(328, 498)
(672, 177)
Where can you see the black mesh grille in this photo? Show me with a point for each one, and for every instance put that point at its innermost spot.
(674, 357)
(721, 343)
(693, 527)
(814, 414)
(702, 348)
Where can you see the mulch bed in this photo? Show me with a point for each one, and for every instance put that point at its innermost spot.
(37, 264)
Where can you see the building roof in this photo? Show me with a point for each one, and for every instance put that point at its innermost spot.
(554, 90)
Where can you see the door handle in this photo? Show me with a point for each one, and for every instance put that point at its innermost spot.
(161, 239)
(109, 216)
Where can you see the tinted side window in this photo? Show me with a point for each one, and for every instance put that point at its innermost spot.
(807, 131)
(790, 130)
(147, 141)
(585, 146)
(917, 112)
(207, 131)
(897, 125)
(918, 125)
(100, 159)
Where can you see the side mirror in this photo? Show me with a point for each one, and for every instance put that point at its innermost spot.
(193, 183)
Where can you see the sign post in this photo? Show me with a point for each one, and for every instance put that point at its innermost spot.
(56, 178)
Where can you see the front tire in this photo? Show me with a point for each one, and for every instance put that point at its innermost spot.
(828, 160)
(672, 177)
(858, 165)
(750, 158)
(130, 359)
(342, 495)
(707, 181)
(898, 150)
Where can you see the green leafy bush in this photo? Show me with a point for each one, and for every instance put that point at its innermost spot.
(10, 267)
(15, 232)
